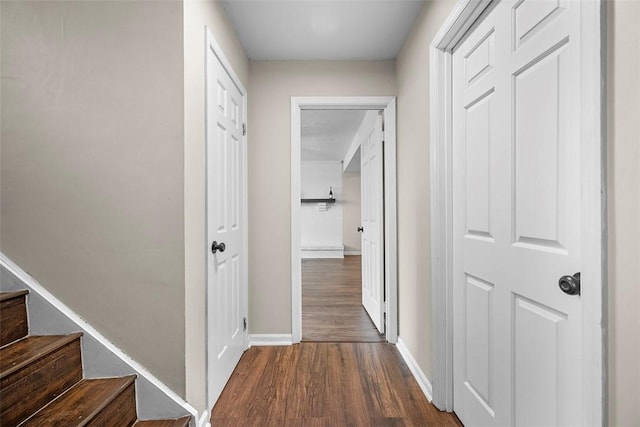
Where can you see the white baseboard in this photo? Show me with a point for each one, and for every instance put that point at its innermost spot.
(204, 420)
(352, 253)
(112, 360)
(418, 374)
(322, 252)
(270, 339)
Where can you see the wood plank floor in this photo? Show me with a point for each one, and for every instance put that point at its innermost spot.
(332, 302)
(325, 384)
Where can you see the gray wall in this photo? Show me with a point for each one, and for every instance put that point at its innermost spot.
(351, 218)
(414, 234)
(92, 166)
(97, 360)
(624, 212)
(271, 86)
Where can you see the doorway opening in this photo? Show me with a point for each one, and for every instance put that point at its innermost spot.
(339, 302)
(326, 256)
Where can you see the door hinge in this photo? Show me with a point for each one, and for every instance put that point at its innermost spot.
(244, 322)
(244, 129)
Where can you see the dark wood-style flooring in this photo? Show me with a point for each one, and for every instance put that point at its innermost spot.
(332, 302)
(325, 384)
(330, 384)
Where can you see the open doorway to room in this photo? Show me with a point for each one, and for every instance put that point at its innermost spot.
(343, 220)
(335, 306)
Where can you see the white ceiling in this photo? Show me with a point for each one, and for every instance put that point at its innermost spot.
(326, 135)
(322, 29)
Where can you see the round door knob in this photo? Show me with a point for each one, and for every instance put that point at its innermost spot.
(215, 247)
(360, 229)
(570, 284)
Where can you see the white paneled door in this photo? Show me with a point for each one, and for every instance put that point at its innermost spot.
(372, 212)
(516, 209)
(225, 226)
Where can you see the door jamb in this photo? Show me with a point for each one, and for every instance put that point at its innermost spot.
(594, 264)
(388, 105)
(213, 48)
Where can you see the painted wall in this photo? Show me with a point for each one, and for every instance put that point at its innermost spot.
(624, 212)
(197, 14)
(414, 270)
(351, 219)
(321, 229)
(92, 166)
(271, 86)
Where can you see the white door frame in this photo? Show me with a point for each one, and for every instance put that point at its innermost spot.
(593, 131)
(213, 48)
(388, 105)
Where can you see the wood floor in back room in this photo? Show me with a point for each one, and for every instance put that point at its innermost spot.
(348, 375)
(332, 308)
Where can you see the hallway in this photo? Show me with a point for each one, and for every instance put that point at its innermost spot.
(332, 308)
(325, 384)
(348, 376)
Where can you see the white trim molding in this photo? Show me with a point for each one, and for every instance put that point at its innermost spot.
(322, 252)
(388, 105)
(593, 121)
(257, 340)
(418, 373)
(162, 397)
(204, 420)
(458, 22)
(593, 161)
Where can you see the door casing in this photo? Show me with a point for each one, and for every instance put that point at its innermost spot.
(388, 105)
(593, 131)
(213, 48)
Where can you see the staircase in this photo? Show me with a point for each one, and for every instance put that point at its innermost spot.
(42, 384)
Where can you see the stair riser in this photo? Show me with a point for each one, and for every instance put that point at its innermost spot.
(120, 412)
(26, 391)
(13, 318)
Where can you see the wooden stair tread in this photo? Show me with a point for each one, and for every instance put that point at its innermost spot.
(34, 371)
(179, 422)
(41, 379)
(6, 296)
(81, 403)
(20, 354)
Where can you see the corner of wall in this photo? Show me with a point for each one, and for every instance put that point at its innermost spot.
(414, 233)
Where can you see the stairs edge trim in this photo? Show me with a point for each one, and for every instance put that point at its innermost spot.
(36, 287)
